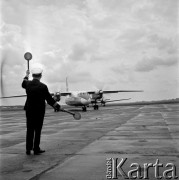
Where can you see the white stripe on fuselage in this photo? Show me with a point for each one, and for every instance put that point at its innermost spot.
(78, 99)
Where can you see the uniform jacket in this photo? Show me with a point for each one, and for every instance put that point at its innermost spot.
(37, 94)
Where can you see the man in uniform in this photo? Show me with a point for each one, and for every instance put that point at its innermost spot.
(37, 94)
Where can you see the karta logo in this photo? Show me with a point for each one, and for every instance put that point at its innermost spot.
(115, 169)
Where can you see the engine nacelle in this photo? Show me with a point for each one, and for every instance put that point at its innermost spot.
(98, 94)
(57, 96)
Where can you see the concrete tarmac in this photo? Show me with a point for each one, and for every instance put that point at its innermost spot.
(114, 142)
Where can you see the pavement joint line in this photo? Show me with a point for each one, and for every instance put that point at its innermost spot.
(36, 177)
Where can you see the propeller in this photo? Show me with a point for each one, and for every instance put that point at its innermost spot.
(99, 85)
(1, 83)
(56, 96)
(28, 57)
(99, 92)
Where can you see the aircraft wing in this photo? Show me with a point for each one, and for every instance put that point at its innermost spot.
(65, 93)
(52, 94)
(108, 92)
(106, 101)
(93, 92)
(12, 96)
(61, 94)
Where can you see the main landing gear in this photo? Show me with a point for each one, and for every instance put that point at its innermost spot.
(96, 107)
(84, 108)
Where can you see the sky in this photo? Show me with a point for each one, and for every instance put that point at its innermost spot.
(97, 44)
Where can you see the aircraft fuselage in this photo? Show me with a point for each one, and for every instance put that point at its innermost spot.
(78, 99)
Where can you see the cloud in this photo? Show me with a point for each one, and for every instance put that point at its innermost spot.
(122, 68)
(79, 52)
(149, 64)
(124, 73)
(165, 44)
(90, 41)
(80, 77)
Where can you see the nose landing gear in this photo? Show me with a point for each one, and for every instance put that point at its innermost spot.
(84, 108)
(96, 107)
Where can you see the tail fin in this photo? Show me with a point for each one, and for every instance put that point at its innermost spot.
(66, 84)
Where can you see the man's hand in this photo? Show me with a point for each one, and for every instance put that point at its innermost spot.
(57, 107)
(27, 73)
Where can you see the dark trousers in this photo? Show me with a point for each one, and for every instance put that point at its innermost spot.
(34, 126)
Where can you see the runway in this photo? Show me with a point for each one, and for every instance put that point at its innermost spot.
(81, 149)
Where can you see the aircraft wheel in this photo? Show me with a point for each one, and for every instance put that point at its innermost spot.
(95, 107)
(84, 109)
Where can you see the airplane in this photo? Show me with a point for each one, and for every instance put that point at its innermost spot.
(83, 98)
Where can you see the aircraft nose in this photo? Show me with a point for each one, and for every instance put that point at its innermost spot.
(84, 101)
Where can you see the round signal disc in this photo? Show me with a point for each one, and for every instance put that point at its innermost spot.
(28, 56)
(77, 116)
